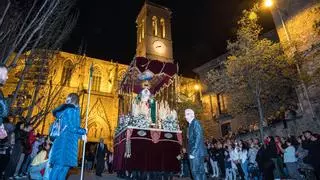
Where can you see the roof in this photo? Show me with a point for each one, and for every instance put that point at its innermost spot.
(271, 35)
(211, 64)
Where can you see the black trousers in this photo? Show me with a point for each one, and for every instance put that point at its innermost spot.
(222, 167)
(4, 159)
(100, 167)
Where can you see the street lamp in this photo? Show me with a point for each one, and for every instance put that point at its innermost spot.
(197, 87)
(269, 4)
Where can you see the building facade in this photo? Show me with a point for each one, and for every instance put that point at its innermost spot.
(298, 27)
(67, 73)
(154, 38)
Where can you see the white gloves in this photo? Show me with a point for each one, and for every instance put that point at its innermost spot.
(84, 138)
(191, 157)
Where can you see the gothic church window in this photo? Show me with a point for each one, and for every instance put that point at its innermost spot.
(139, 33)
(142, 29)
(66, 73)
(96, 79)
(155, 25)
(163, 28)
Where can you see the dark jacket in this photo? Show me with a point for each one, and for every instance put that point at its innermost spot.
(196, 145)
(65, 147)
(101, 152)
(4, 108)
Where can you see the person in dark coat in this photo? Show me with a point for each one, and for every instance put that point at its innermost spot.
(6, 147)
(18, 148)
(101, 152)
(64, 152)
(196, 148)
(4, 108)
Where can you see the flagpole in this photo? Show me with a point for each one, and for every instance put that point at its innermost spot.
(86, 125)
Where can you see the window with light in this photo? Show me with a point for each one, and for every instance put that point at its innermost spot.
(66, 73)
(163, 28)
(155, 25)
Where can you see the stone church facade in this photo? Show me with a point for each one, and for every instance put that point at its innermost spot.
(69, 73)
(103, 110)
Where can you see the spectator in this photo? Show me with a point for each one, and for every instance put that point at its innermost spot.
(213, 153)
(64, 152)
(4, 109)
(39, 162)
(6, 145)
(229, 165)
(290, 160)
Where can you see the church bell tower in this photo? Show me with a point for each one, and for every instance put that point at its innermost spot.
(154, 39)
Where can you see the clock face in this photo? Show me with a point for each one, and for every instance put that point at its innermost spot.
(159, 46)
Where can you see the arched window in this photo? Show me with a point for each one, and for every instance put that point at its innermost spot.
(96, 79)
(155, 25)
(142, 29)
(163, 28)
(66, 73)
(139, 34)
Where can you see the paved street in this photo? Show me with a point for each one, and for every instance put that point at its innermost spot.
(92, 176)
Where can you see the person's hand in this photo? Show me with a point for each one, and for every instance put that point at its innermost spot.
(191, 157)
(84, 138)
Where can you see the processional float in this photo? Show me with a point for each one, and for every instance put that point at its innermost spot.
(148, 137)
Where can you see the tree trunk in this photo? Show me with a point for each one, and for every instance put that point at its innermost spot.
(47, 108)
(37, 88)
(261, 117)
(21, 80)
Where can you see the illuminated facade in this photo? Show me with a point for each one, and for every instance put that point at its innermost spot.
(153, 41)
(103, 110)
(300, 34)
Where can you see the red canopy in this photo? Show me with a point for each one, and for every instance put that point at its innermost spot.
(162, 72)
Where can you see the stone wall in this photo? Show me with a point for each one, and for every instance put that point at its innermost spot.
(299, 18)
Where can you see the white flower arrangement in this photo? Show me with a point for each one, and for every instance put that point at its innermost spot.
(171, 123)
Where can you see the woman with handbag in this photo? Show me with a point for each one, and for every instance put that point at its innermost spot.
(64, 152)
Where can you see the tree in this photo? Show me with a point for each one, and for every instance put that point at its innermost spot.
(258, 74)
(54, 93)
(33, 24)
(218, 80)
(34, 29)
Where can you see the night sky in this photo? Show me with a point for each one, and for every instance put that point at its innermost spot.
(200, 29)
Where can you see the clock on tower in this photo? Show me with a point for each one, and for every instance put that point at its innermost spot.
(154, 33)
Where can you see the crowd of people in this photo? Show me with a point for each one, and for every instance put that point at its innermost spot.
(22, 151)
(274, 158)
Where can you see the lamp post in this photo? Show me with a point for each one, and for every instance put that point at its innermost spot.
(197, 87)
(269, 4)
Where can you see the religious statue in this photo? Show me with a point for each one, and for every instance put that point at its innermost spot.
(144, 104)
